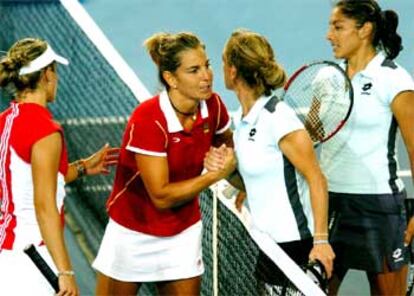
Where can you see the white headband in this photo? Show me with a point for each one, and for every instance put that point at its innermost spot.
(46, 58)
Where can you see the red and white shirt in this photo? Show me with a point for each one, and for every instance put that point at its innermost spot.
(21, 126)
(154, 129)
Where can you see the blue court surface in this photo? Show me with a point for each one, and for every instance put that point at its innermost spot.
(295, 28)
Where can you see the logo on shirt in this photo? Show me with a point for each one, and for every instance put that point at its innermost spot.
(365, 88)
(397, 255)
(176, 140)
(252, 133)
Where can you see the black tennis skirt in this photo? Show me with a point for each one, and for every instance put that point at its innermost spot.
(268, 272)
(368, 231)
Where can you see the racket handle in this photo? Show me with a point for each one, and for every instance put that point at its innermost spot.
(43, 267)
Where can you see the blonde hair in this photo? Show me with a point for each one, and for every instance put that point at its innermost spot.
(165, 49)
(254, 59)
(20, 54)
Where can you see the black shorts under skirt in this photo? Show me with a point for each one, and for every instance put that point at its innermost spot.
(268, 272)
(368, 231)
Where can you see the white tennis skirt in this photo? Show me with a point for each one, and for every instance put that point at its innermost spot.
(132, 256)
(19, 275)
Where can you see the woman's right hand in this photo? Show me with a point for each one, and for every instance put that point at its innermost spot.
(221, 160)
(230, 162)
(325, 254)
(67, 286)
(214, 159)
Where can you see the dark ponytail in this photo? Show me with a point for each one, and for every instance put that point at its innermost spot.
(390, 39)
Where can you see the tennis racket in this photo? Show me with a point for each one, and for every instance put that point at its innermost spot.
(322, 96)
(409, 210)
(316, 271)
(43, 267)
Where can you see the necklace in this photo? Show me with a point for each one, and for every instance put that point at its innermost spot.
(192, 114)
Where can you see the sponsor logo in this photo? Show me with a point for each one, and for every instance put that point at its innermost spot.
(252, 132)
(176, 140)
(365, 88)
(397, 255)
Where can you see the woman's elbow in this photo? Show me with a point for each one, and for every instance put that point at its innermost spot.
(44, 211)
(160, 201)
(162, 205)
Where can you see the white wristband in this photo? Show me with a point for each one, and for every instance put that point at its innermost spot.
(320, 242)
(66, 273)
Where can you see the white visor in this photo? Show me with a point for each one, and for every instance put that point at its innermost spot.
(45, 59)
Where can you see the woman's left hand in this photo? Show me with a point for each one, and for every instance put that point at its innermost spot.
(409, 232)
(100, 161)
(325, 254)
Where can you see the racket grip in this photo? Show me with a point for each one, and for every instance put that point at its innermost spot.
(43, 267)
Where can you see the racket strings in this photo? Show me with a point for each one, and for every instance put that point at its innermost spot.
(321, 97)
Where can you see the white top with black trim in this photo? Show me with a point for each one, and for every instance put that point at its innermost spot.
(361, 158)
(277, 195)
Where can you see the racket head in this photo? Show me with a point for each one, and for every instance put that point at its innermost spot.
(322, 97)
